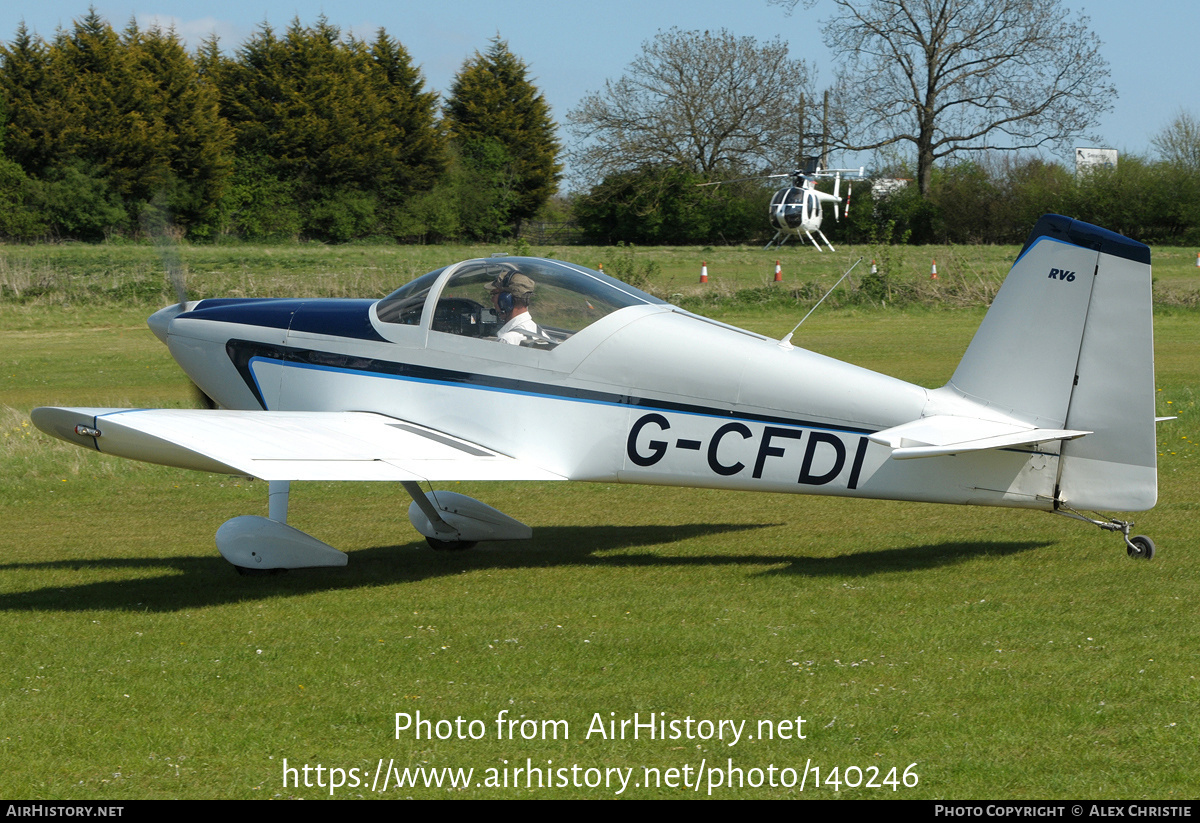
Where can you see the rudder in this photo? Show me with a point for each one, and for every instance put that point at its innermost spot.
(1116, 467)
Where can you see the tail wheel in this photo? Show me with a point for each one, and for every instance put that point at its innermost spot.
(1140, 546)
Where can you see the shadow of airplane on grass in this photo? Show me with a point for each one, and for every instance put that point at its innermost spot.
(194, 582)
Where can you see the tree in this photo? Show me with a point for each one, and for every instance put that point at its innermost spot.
(19, 217)
(418, 140)
(344, 127)
(497, 118)
(958, 75)
(700, 101)
(1179, 143)
(107, 124)
(1179, 147)
(657, 205)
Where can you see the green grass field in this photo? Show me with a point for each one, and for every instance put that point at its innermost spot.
(988, 653)
(76, 276)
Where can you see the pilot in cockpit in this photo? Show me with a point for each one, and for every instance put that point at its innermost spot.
(511, 293)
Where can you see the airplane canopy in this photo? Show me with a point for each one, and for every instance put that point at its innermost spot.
(565, 299)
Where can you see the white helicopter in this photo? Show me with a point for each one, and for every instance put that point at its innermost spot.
(1051, 408)
(797, 209)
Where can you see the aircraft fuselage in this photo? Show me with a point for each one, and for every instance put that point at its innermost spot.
(647, 394)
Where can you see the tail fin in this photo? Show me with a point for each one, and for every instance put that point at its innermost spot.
(1068, 344)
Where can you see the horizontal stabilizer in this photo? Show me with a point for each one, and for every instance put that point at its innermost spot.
(285, 445)
(946, 434)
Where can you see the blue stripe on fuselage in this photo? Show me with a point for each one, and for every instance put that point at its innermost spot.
(245, 354)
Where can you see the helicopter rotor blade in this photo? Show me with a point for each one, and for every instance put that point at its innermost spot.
(741, 179)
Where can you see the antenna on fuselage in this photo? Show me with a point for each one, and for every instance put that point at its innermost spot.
(786, 342)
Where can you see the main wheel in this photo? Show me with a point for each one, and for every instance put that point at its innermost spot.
(449, 545)
(1141, 546)
(246, 571)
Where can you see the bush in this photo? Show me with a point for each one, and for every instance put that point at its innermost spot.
(342, 216)
(666, 205)
(260, 206)
(18, 219)
(77, 202)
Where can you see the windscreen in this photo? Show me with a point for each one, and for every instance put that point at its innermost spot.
(564, 299)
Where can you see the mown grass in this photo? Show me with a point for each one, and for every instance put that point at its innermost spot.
(1007, 654)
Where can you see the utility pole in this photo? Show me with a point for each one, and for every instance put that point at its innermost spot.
(825, 133)
(801, 135)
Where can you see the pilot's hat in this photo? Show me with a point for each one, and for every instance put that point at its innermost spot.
(515, 283)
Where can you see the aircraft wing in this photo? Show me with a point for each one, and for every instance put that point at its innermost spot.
(947, 434)
(280, 445)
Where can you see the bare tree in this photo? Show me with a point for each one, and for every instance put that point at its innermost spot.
(1179, 143)
(697, 100)
(957, 75)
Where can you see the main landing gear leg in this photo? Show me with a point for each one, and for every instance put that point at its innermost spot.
(277, 499)
(451, 521)
(1139, 546)
(447, 539)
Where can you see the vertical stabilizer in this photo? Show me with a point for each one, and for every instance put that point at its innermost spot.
(1022, 359)
(1068, 344)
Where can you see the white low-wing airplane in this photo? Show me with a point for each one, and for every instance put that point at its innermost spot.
(1051, 408)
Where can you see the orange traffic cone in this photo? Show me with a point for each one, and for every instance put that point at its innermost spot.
(873, 269)
(933, 274)
(778, 272)
(600, 268)
(704, 272)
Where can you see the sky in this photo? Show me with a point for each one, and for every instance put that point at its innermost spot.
(573, 47)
